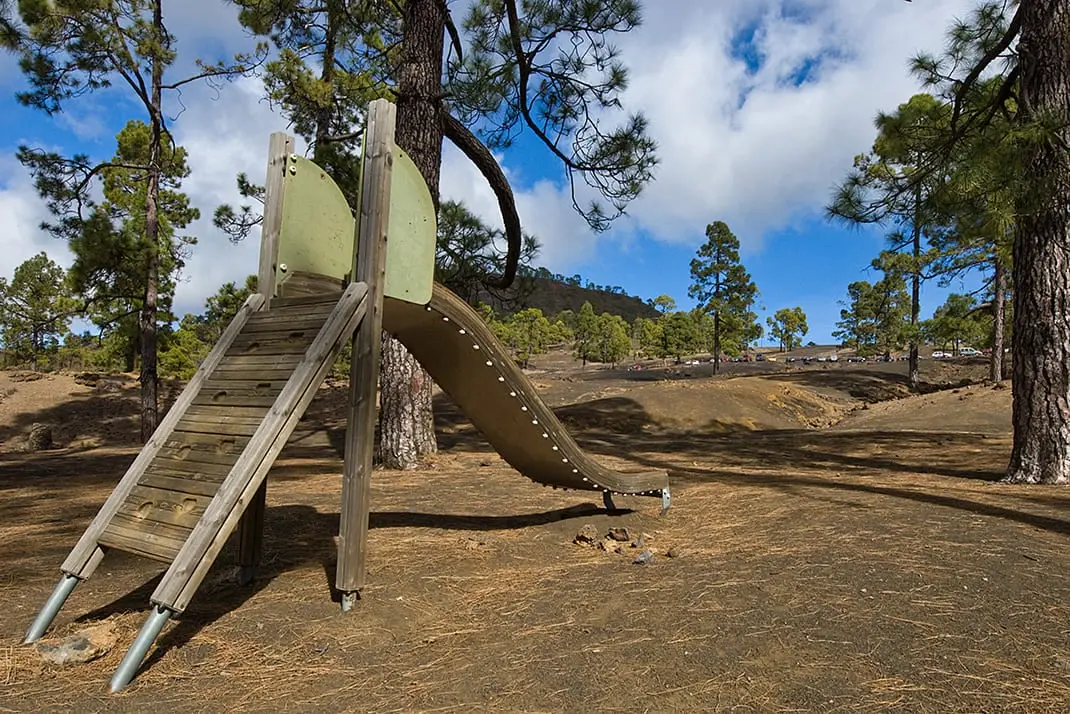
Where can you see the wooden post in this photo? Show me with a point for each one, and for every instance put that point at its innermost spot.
(251, 529)
(369, 267)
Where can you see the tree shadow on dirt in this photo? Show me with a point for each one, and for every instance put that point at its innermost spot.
(295, 536)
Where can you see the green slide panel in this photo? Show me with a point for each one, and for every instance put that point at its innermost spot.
(318, 229)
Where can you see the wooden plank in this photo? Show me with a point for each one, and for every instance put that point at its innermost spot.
(224, 412)
(297, 301)
(84, 557)
(369, 267)
(263, 387)
(274, 322)
(267, 338)
(248, 374)
(181, 483)
(165, 506)
(214, 428)
(192, 563)
(280, 147)
(266, 362)
(270, 347)
(270, 235)
(146, 545)
(319, 309)
(208, 443)
(301, 284)
(193, 469)
(236, 398)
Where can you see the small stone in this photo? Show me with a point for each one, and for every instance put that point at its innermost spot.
(672, 553)
(40, 437)
(84, 646)
(609, 546)
(588, 535)
(643, 558)
(621, 535)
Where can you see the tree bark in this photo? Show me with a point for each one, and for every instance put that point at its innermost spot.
(999, 301)
(1041, 339)
(915, 293)
(147, 317)
(406, 420)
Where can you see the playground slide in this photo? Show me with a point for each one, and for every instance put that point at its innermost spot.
(464, 357)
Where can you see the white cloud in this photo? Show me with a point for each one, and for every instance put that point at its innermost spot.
(23, 213)
(747, 147)
(752, 148)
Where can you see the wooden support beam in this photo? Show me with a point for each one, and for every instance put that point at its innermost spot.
(280, 146)
(369, 267)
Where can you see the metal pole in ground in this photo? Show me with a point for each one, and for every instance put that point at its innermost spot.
(51, 608)
(136, 654)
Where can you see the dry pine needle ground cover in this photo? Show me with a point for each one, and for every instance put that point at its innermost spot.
(828, 557)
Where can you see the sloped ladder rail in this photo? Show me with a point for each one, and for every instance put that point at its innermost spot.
(223, 513)
(87, 553)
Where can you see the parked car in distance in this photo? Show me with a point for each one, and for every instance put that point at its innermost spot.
(969, 352)
(940, 354)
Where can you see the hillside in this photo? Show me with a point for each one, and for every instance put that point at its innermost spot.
(552, 296)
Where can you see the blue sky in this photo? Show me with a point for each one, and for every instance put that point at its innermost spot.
(758, 107)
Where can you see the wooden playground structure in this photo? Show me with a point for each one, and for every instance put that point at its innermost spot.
(325, 276)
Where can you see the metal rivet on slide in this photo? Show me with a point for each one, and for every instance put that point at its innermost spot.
(463, 332)
(512, 394)
(545, 435)
(475, 347)
(576, 471)
(428, 308)
(501, 379)
(555, 447)
(564, 461)
(534, 421)
(489, 363)
(445, 319)
(523, 409)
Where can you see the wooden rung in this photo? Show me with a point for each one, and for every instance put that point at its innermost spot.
(207, 443)
(295, 323)
(257, 348)
(312, 307)
(222, 411)
(176, 508)
(248, 374)
(194, 457)
(330, 297)
(180, 483)
(261, 342)
(192, 469)
(213, 427)
(236, 398)
(122, 534)
(258, 361)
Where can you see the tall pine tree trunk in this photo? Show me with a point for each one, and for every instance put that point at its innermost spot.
(999, 302)
(915, 293)
(1041, 339)
(147, 318)
(406, 421)
(716, 342)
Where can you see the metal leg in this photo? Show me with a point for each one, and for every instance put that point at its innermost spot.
(607, 499)
(349, 600)
(52, 606)
(136, 654)
(666, 500)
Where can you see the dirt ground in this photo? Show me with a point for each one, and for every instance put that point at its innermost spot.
(837, 546)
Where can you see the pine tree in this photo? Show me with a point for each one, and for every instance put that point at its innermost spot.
(788, 326)
(75, 47)
(35, 310)
(723, 288)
